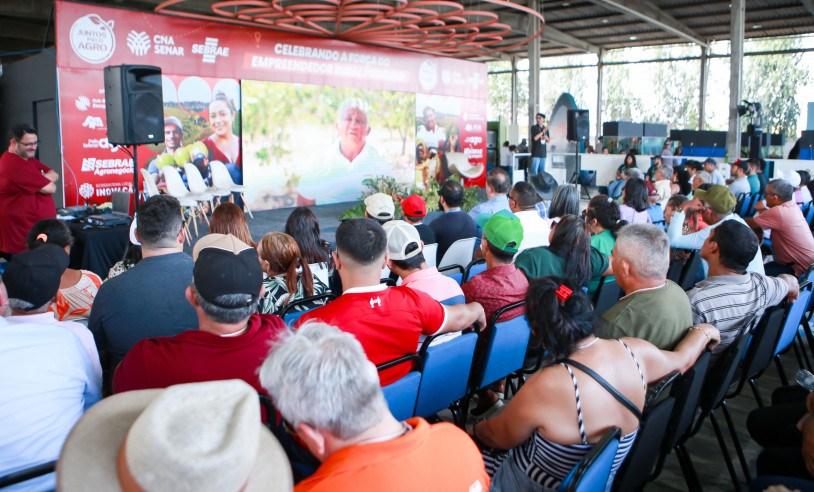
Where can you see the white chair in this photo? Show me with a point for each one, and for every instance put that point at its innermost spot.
(221, 179)
(197, 185)
(459, 253)
(149, 183)
(177, 188)
(430, 254)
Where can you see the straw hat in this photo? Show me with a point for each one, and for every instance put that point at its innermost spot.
(458, 163)
(197, 437)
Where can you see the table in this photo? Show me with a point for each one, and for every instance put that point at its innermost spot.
(97, 249)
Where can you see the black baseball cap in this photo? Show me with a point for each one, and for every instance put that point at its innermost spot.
(33, 276)
(224, 265)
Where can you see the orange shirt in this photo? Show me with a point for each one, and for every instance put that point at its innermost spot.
(439, 457)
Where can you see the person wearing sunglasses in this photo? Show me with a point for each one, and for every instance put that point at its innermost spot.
(26, 186)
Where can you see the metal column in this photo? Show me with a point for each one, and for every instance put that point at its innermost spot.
(733, 139)
(534, 64)
(702, 95)
(514, 91)
(599, 66)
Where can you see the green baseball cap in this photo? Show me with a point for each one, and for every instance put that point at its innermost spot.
(502, 229)
(719, 197)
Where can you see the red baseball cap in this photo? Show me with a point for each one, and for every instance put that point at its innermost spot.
(414, 206)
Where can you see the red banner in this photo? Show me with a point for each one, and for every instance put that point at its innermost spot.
(92, 37)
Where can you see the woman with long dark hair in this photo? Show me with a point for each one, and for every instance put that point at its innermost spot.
(77, 288)
(561, 411)
(635, 202)
(615, 188)
(564, 202)
(303, 226)
(288, 277)
(604, 219)
(569, 255)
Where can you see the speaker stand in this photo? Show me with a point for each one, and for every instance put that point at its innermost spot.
(575, 176)
(135, 178)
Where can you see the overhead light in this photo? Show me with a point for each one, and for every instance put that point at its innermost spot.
(756, 26)
(633, 38)
(605, 21)
(566, 4)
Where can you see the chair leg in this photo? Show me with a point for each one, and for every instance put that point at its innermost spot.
(246, 206)
(687, 469)
(724, 451)
(756, 392)
(203, 213)
(799, 350)
(194, 220)
(809, 336)
(784, 381)
(736, 441)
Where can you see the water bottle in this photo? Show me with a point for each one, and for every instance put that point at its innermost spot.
(805, 379)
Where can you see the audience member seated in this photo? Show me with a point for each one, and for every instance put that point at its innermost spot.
(48, 382)
(715, 205)
(681, 177)
(634, 202)
(570, 254)
(453, 224)
(547, 431)
(754, 181)
(32, 280)
(132, 254)
(786, 432)
(303, 226)
(231, 341)
(147, 300)
(603, 218)
(328, 394)
(653, 308)
(380, 207)
(406, 259)
(77, 288)
(288, 276)
(693, 167)
(200, 436)
(564, 202)
(615, 188)
(740, 182)
(692, 221)
(730, 293)
(545, 185)
(228, 218)
(661, 180)
(387, 321)
(498, 184)
(802, 194)
(654, 209)
(522, 200)
(414, 210)
(502, 282)
(655, 163)
(701, 178)
(792, 242)
(716, 178)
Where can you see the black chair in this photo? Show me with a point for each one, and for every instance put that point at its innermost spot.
(691, 265)
(742, 206)
(639, 463)
(606, 295)
(27, 474)
(457, 276)
(290, 315)
(676, 267)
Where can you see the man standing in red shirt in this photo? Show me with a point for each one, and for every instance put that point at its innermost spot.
(26, 186)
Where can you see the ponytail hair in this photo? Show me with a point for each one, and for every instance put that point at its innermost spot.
(555, 324)
(52, 231)
(606, 212)
(283, 256)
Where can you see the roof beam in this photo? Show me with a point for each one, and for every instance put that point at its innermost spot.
(649, 13)
(519, 22)
(809, 5)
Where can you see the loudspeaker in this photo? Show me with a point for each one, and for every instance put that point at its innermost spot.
(579, 126)
(135, 104)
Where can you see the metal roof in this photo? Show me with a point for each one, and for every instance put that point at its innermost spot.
(571, 26)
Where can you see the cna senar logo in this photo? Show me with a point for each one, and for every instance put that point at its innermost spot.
(138, 42)
(92, 38)
(210, 50)
(86, 190)
(82, 103)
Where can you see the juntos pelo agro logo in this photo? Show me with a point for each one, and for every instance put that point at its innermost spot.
(92, 39)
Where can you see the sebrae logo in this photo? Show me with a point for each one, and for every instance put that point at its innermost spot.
(138, 42)
(86, 190)
(92, 39)
(82, 103)
(94, 123)
(210, 50)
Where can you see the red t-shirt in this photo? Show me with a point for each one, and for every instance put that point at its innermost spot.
(438, 457)
(386, 321)
(195, 356)
(20, 204)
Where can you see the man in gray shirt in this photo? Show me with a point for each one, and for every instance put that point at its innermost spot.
(740, 175)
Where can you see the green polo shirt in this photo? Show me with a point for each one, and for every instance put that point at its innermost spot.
(661, 316)
(603, 242)
(542, 262)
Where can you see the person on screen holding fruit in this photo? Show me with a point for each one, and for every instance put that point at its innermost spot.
(173, 136)
(337, 175)
(223, 145)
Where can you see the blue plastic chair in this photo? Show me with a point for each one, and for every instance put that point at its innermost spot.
(290, 316)
(593, 472)
(459, 299)
(477, 266)
(445, 373)
(457, 276)
(401, 395)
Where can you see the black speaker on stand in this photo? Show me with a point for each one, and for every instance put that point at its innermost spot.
(578, 130)
(134, 104)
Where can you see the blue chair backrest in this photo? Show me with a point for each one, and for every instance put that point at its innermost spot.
(744, 200)
(401, 395)
(756, 197)
(504, 348)
(810, 215)
(593, 472)
(292, 317)
(446, 373)
(459, 299)
(793, 318)
(474, 270)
